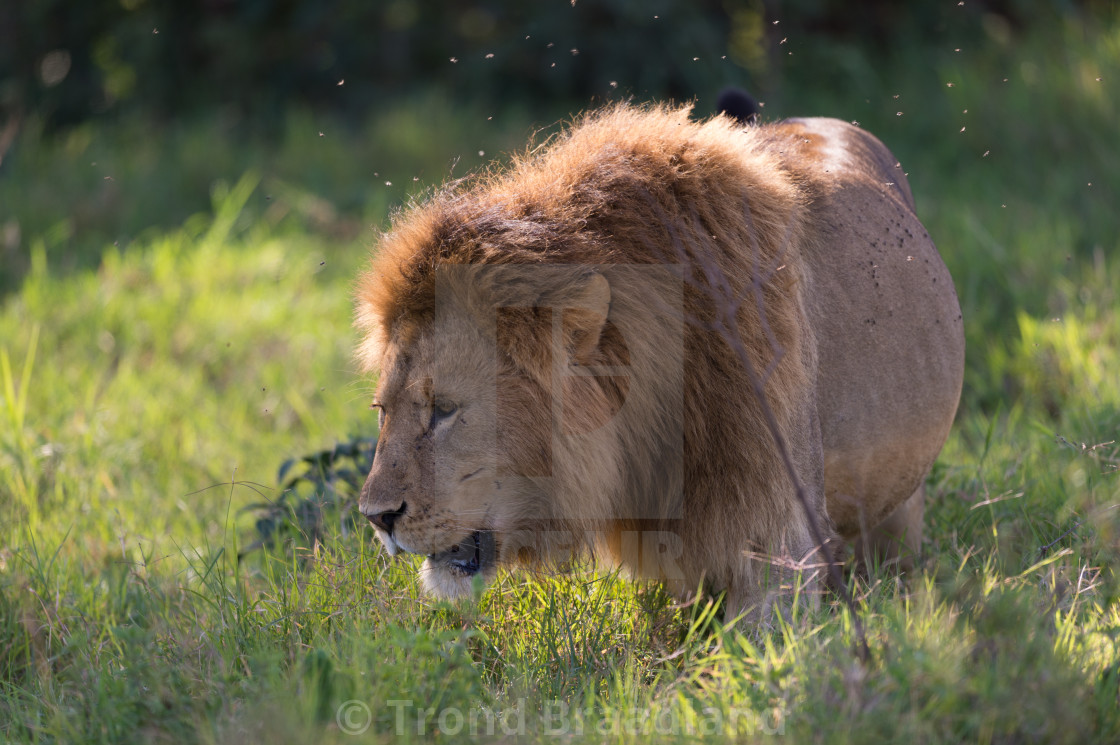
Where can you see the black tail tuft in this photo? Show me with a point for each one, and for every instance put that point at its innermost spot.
(738, 104)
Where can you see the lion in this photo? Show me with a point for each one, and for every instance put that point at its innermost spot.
(704, 352)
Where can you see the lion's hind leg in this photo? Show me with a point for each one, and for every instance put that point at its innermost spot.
(897, 540)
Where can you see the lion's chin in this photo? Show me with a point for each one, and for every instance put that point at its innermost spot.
(450, 574)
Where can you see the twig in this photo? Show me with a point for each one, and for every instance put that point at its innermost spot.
(1043, 551)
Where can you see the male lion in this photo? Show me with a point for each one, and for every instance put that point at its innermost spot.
(569, 351)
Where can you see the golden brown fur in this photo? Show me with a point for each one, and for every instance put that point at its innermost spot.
(562, 345)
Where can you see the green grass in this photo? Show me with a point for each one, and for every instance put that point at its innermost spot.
(150, 390)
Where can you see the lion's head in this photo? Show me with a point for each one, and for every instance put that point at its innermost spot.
(466, 469)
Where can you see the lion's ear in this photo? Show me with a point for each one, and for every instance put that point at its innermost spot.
(585, 313)
(530, 299)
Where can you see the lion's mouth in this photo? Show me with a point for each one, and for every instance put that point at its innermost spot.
(468, 557)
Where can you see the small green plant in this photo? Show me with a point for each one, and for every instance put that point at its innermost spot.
(314, 489)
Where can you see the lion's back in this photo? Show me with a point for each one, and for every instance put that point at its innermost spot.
(886, 316)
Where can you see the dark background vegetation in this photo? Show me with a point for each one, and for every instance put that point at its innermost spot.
(65, 62)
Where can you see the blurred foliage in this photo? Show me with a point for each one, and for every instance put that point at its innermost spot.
(98, 184)
(317, 488)
(255, 58)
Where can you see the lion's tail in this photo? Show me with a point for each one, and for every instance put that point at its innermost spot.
(739, 105)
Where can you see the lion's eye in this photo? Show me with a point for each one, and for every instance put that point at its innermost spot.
(441, 410)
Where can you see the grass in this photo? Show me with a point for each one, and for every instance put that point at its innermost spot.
(150, 390)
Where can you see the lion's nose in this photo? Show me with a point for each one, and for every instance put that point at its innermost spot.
(385, 519)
